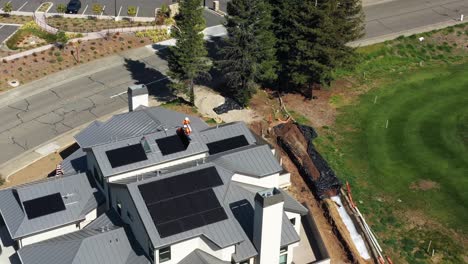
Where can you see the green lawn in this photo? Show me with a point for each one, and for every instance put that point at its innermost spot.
(426, 139)
(412, 175)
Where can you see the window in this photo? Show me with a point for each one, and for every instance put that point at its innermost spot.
(293, 221)
(283, 255)
(283, 259)
(164, 254)
(130, 216)
(119, 208)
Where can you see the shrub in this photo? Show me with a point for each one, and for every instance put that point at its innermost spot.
(59, 58)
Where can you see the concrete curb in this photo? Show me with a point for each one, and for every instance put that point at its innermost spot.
(391, 36)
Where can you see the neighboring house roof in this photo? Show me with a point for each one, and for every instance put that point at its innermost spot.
(133, 124)
(200, 257)
(235, 230)
(75, 191)
(106, 245)
(257, 161)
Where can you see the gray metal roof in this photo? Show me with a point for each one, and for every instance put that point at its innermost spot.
(236, 230)
(255, 161)
(223, 234)
(87, 246)
(78, 196)
(290, 204)
(75, 163)
(225, 131)
(195, 147)
(200, 257)
(240, 202)
(132, 124)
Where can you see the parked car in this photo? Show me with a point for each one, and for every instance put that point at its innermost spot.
(73, 7)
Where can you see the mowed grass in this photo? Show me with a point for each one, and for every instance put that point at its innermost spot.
(403, 146)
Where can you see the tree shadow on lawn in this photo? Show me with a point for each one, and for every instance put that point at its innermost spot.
(158, 84)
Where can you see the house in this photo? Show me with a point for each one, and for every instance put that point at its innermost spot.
(174, 191)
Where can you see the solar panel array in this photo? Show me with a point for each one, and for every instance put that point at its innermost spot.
(173, 144)
(44, 205)
(184, 202)
(126, 155)
(227, 144)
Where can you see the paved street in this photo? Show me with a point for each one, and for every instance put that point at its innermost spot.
(6, 31)
(36, 119)
(395, 16)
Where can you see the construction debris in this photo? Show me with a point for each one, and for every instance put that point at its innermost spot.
(296, 140)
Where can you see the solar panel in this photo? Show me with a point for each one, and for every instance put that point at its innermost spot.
(126, 155)
(173, 144)
(44, 205)
(184, 202)
(227, 144)
(156, 191)
(186, 212)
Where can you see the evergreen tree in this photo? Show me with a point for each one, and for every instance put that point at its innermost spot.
(188, 59)
(248, 54)
(312, 37)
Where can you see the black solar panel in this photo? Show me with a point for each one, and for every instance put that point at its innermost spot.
(184, 202)
(227, 144)
(173, 144)
(154, 192)
(126, 155)
(44, 205)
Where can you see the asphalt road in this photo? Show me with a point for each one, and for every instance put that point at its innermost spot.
(36, 119)
(395, 16)
(6, 31)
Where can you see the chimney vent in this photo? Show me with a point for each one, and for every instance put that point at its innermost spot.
(137, 96)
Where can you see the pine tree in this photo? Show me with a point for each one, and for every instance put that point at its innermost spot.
(188, 59)
(312, 37)
(248, 53)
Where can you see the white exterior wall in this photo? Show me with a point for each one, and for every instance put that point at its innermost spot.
(89, 218)
(267, 181)
(267, 232)
(284, 180)
(291, 252)
(154, 168)
(182, 249)
(137, 100)
(49, 234)
(138, 230)
(297, 226)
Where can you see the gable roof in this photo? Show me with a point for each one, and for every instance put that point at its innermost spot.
(200, 257)
(87, 246)
(236, 230)
(257, 161)
(133, 124)
(79, 198)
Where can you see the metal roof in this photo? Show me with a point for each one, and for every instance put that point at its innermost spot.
(200, 257)
(77, 194)
(236, 230)
(87, 246)
(195, 147)
(75, 163)
(225, 131)
(256, 161)
(142, 121)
